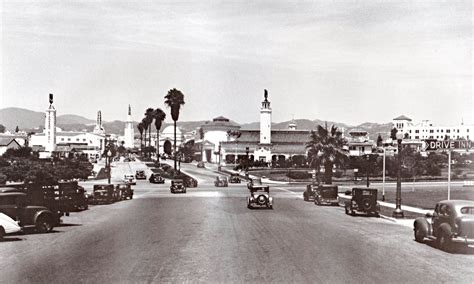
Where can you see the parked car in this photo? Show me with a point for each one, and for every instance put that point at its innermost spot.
(140, 175)
(75, 195)
(201, 165)
(156, 178)
(234, 178)
(8, 226)
(125, 191)
(14, 205)
(259, 194)
(177, 186)
(221, 182)
(129, 179)
(451, 222)
(190, 182)
(49, 196)
(364, 200)
(326, 194)
(103, 193)
(309, 193)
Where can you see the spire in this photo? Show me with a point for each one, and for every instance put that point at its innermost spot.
(265, 103)
(99, 118)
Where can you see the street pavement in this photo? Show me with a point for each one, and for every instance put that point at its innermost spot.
(209, 235)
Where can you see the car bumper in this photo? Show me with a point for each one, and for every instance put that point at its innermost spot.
(463, 240)
(329, 200)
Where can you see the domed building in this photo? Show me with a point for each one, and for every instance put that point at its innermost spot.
(167, 139)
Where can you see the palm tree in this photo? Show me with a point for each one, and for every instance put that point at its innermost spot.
(160, 116)
(174, 99)
(149, 120)
(140, 129)
(325, 148)
(145, 127)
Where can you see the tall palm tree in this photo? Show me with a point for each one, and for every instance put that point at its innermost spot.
(140, 129)
(174, 99)
(149, 121)
(325, 148)
(145, 127)
(160, 116)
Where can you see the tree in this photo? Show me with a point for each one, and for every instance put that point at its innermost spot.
(140, 129)
(393, 133)
(160, 116)
(174, 99)
(2, 128)
(379, 141)
(325, 148)
(17, 129)
(145, 127)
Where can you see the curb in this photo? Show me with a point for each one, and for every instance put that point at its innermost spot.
(389, 218)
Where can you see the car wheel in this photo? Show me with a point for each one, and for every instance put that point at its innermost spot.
(44, 224)
(305, 197)
(419, 236)
(248, 203)
(2, 233)
(86, 206)
(444, 242)
(346, 209)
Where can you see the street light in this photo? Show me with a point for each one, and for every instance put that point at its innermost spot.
(109, 154)
(247, 162)
(367, 168)
(398, 213)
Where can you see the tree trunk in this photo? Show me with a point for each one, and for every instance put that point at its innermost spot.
(141, 143)
(174, 146)
(157, 145)
(149, 140)
(328, 173)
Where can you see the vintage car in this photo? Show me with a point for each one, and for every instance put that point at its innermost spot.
(140, 175)
(124, 190)
(103, 193)
(326, 194)
(190, 182)
(309, 193)
(74, 195)
(8, 226)
(177, 186)
(156, 178)
(234, 178)
(129, 179)
(364, 200)
(14, 205)
(259, 194)
(49, 196)
(221, 182)
(451, 222)
(201, 165)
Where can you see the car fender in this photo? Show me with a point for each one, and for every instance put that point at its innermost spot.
(424, 225)
(446, 228)
(43, 213)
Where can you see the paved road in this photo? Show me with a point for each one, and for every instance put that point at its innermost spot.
(209, 235)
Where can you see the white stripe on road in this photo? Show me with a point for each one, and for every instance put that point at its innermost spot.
(295, 193)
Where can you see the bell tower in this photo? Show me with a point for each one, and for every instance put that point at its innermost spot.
(50, 127)
(129, 132)
(265, 120)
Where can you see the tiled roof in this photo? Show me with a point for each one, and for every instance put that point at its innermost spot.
(278, 136)
(402, 117)
(4, 141)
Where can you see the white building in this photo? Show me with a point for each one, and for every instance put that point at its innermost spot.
(167, 139)
(214, 132)
(129, 132)
(99, 129)
(50, 128)
(426, 130)
(359, 143)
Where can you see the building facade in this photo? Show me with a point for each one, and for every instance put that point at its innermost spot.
(129, 131)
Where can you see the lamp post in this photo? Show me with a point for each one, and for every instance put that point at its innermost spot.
(398, 213)
(247, 162)
(109, 154)
(367, 168)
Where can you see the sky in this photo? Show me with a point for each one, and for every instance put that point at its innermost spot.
(345, 61)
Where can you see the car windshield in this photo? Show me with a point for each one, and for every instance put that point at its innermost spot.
(467, 210)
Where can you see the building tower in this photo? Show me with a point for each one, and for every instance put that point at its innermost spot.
(50, 127)
(98, 129)
(265, 121)
(129, 130)
(292, 125)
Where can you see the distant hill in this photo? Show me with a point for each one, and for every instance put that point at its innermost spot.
(33, 121)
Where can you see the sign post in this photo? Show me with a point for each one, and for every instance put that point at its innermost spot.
(449, 145)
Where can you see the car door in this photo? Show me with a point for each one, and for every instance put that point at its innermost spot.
(8, 207)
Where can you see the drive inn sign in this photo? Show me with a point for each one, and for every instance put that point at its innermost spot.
(433, 145)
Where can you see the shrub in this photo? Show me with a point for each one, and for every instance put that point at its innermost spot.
(298, 175)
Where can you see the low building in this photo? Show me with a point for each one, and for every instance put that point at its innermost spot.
(8, 143)
(359, 143)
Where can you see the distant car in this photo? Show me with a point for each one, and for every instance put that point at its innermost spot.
(156, 178)
(140, 175)
(234, 178)
(326, 194)
(201, 165)
(310, 191)
(221, 182)
(124, 190)
(13, 204)
(364, 200)
(75, 195)
(8, 226)
(451, 222)
(259, 194)
(129, 179)
(190, 182)
(103, 193)
(177, 186)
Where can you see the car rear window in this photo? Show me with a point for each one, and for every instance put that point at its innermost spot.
(467, 210)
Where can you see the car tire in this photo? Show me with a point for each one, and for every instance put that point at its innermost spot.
(346, 209)
(305, 197)
(2, 233)
(419, 236)
(44, 224)
(248, 203)
(86, 206)
(444, 241)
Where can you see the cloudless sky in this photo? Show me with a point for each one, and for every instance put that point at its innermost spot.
(345, 61)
